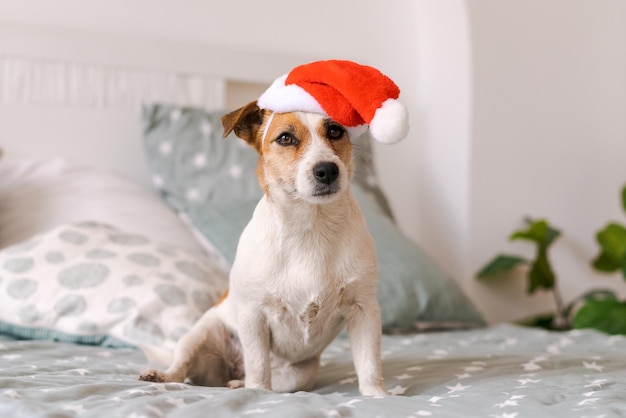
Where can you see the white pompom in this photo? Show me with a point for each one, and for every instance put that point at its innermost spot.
(390, 123)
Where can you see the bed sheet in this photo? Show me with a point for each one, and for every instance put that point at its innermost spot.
(502, 371)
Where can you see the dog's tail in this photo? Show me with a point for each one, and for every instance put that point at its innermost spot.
(160, 356)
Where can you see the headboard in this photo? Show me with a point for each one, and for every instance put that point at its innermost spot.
(78, 94)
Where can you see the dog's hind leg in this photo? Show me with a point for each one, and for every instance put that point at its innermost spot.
(199, 355)
(292, 377)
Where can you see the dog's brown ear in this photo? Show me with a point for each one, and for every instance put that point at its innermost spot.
(245, 121)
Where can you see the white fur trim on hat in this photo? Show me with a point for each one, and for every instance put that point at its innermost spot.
(282, 99)
(390, 123)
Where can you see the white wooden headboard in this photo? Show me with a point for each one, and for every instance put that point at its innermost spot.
(78, 94)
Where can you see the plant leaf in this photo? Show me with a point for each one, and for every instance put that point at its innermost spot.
(538, 231)
(541, 275)
(624, 198)
(612, 240)
(604, 262)
(503, 263)
(551, 234)
(594, 294)
(604, 315)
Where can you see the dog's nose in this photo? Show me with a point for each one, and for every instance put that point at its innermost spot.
(326, 172)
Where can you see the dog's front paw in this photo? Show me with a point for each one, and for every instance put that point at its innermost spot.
(235, 384)
(257, 385)
(152, 376)
(373, 391)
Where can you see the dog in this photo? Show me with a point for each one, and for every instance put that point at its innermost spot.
(305, 267)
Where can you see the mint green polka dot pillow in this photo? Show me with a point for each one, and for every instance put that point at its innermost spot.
(94, 284)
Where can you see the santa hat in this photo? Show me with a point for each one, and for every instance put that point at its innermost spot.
(353, 95)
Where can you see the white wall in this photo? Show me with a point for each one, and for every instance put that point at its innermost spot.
(517, 108)
(548, 135)
(441, 126)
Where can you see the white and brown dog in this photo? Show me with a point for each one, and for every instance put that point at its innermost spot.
(305, 267)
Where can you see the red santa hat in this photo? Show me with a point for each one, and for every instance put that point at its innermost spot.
(353, 95)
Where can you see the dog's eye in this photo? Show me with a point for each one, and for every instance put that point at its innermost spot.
(285, 139)
(334, 131)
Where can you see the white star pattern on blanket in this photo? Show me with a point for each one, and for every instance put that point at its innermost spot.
(593, 365)
(398, 390)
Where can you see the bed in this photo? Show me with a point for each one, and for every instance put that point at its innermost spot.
(120, 209)
(502, 371)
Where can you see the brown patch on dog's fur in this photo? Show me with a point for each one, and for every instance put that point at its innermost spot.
(280, 165)
(246, 122)
(341, 146)
(222, 298)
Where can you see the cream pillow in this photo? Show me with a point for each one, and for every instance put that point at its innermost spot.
(38, 194)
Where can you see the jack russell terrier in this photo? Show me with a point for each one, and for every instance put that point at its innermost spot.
(305, 264)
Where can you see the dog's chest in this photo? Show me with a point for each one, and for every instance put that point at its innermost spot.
(304, 322)
(307, 299)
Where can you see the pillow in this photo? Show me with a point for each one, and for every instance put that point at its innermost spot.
(38, 194)
(92, 283)
(412, 289)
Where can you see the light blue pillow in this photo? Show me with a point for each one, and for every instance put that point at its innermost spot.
(191, 163)
(412, 290)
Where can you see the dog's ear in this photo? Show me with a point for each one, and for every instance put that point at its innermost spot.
(245, 121)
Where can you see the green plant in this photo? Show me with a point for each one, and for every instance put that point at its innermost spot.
(599, 309)
(606, 312)
(612, 241)
(540, 273)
